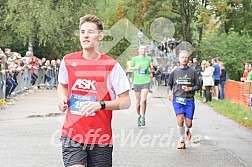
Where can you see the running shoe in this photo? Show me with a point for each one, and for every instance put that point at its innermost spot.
(143, 121)
(181, 145)
(139, 121)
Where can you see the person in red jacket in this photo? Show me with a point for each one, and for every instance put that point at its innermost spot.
(246, 72)
(89, 82)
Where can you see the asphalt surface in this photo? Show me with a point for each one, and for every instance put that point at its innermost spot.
(30, 130)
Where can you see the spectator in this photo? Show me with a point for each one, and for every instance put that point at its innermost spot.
(53, 73)
(246, 72)
(153, 47)
(196, 64)
(9, 81)
(48, 75)
(216, 76)
(202, 69)
(166, 73)
(1, 52)
(28, 54)
(157, 74)
(43, 60)
(223, 75)
(2, 69)
(250, 73)
(33, 67)
(153, 77)
(170, 53)
(163, 49)
(7, 51)
(208, 81)
(58, 64)
(15, 69)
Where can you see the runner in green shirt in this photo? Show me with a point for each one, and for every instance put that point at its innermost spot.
(142, 67)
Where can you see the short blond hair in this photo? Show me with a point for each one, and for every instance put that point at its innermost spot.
(92, 19)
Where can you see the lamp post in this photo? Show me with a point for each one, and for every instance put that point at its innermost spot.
(140, 37)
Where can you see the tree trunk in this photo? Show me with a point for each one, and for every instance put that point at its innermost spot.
(30, 44)
(30, 47)
(201, 27)
(182, 4)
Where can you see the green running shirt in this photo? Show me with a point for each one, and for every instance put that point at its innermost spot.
(142, 75)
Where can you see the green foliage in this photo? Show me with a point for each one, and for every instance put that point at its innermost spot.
(52, 25)
(232, 49)
(231, 110)
(235, 15)
(119, 52)
(142, 13)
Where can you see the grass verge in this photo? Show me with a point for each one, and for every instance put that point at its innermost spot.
(238, 113)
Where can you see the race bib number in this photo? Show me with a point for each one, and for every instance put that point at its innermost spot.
(77, 100)
(181, 100)
(142, 72)
(184, 81)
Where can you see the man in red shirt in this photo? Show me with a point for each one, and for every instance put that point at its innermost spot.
(89, 82)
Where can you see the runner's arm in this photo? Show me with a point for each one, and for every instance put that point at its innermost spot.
(62, 93)
(196, 82)
(135, 67)
(170, 87)
(151, 67)
(120, 103)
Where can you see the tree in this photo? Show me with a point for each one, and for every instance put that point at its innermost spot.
(51, 25)
(231, 48)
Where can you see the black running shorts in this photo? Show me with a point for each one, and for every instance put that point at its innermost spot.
(95, 155)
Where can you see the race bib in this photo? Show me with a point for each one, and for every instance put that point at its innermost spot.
(142, 72)
(184, 81)
(181, 100)
(77, 100)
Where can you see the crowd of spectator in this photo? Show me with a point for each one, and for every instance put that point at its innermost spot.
(12, 64)
(213, 77)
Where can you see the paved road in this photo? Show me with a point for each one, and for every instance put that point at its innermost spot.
(29, 137)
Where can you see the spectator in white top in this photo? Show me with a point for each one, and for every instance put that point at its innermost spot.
(208, 81)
